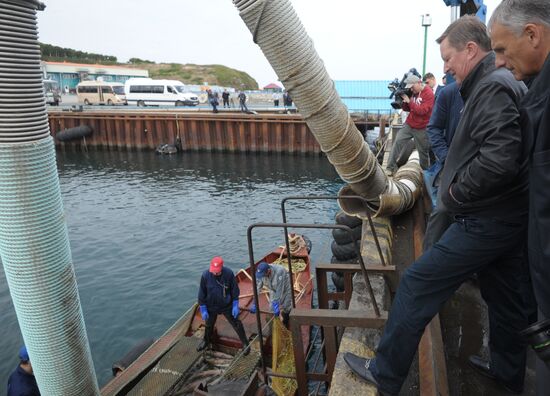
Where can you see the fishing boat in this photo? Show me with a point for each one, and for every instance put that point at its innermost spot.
(173, 366)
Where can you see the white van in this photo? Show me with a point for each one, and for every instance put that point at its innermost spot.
(101, 92)
(146, 91)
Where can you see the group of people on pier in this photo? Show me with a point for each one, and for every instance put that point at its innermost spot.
(492, 213)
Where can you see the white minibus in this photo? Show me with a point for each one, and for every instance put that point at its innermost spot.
(146, 91)
(101, 92)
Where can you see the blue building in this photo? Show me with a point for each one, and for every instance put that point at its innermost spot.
(68, 75)
(363, 96)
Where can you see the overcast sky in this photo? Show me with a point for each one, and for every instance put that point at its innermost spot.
(357, 39)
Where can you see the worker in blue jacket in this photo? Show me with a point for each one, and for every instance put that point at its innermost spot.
(22, 381)
(219, 294)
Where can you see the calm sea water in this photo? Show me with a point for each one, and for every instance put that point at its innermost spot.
(143, 227)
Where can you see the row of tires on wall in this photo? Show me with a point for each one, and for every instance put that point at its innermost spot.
(345, 246)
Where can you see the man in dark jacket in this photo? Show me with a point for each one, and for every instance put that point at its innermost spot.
(242, 101)
(520, 33)
(22, 381)
(213, 100)
(219, 294)
(420, 107)
(225, 98)
(483, 183)
(441, 129)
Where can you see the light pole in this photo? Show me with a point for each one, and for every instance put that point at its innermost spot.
(426, 22)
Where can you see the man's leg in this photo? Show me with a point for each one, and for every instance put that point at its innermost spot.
(423, 146)
(404, 135)
(208, 331)
(500, 286)
(286, 318)
(466, 247)
(237, 326)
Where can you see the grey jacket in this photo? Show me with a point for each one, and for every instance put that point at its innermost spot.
(278, 284)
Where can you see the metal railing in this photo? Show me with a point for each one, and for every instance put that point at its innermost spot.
(328, 319)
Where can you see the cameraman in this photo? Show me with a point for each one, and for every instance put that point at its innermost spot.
(420, 107)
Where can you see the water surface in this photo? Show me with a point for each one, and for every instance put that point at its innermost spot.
(143, 227)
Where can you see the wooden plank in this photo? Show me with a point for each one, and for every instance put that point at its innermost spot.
(337, 317)
(219, 143)
(244, 138)
(278, 146)
(253, 136)
(265, 137)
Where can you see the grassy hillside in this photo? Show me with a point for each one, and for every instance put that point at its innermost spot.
(188, 73)
(198, 74)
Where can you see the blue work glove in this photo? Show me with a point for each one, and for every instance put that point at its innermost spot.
(235, 310)
(253, 308)
(275, 307)
(204, 312)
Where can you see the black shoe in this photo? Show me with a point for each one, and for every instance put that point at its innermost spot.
(484, 368)
(360, 366)
(202, 346)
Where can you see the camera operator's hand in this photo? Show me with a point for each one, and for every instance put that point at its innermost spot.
(405, 98)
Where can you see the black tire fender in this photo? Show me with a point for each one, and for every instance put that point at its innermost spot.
(75, 133)
(350, 221)
(344, 252)
(343, 237)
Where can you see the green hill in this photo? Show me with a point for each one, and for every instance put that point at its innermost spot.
(198, 74)
(186, 73)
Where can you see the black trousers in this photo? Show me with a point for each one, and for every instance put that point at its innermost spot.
(286, 318)
(493, 249)
(234, 322)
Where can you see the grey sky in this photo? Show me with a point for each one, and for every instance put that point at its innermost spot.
(357, 39)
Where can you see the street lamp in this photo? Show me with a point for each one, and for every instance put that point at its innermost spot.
(426, 22)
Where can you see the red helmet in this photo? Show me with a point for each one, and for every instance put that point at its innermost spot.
(216, 265)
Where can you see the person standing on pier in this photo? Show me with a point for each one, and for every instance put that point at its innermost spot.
(441, 129)
(276, 97)
(225, 98)
(213, 99)
(287, 99)
(484, 186)
(219, 294)
(242, 102)
(520, 34)
(419, 106)
(22, 381)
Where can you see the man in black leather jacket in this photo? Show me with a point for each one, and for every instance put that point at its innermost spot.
(483, 184)
(520, 33)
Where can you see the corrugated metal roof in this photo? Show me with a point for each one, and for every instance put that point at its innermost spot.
(365, 95)
(68, 67)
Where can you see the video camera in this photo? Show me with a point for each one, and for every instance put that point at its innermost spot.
(397, 88)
